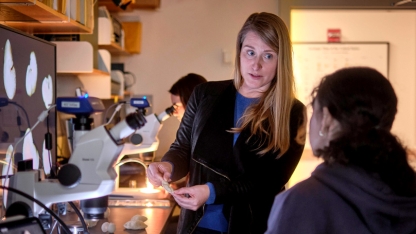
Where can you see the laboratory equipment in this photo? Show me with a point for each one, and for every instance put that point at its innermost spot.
(21, 225)
(89, 172)
(139, 149)
(145, 139)
(28, 85)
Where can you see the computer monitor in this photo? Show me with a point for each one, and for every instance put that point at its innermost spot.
(27, 87)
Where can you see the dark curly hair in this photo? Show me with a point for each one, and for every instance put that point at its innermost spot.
(363, 101)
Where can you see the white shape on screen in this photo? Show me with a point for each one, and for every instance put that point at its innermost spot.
(31, 75)
(29, 149)
(47, 91)
(9, 72)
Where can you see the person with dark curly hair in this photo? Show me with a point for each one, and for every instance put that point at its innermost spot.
(365, 184)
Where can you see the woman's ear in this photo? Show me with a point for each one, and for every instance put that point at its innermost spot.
(326, 118)
(329, 124)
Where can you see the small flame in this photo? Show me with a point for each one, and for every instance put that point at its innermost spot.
(149, 204)
(149, 188)
(148, 184)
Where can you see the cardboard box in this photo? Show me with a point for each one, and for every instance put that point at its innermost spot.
(149, 4)
(132, 36)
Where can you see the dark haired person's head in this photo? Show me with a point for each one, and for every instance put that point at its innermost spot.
(359, 98)
(181, 91)
(353, 112)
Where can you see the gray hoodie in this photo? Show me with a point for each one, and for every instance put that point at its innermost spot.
(342, 199)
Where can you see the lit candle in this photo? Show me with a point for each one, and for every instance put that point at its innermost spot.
(149, 188)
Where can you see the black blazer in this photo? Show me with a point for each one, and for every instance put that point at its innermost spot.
(244, 182)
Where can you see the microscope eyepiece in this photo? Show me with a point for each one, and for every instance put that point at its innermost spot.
(166, 114)
(136, 120)
(170, 110)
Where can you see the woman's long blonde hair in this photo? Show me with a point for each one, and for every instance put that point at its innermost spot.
(270, 117)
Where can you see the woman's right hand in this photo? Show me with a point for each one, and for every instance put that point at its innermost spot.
(158, 171)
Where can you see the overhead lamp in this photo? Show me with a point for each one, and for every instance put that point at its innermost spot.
(402, 2)
(122, 3)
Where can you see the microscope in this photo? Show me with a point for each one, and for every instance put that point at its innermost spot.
(90, 171)
(139, 147)
(145, 139)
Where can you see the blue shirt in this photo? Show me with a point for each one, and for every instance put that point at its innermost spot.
(241, 104)
(213, 217)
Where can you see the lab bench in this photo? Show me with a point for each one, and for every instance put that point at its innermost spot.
(157, 219)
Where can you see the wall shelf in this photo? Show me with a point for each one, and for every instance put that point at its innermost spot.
(105, 31)
(116, 98)
(18, 1)
(114, 49)
(32, 16)
(95, 72)
(96, 84)
(111, 7)
(137, 4)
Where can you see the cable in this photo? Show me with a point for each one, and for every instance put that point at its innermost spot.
(50, 161)
(66, 229)
(119, 105)
(48, 145)
(115, 112)
(106, 112)
(81, 218)
(19, 121)
(41, 117)
(53, 226)
(24, 111)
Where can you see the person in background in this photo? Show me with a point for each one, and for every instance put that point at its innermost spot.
(241, 139)
(181, 91)
(365, 184)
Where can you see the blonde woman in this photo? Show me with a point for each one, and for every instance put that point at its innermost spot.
(240, 140)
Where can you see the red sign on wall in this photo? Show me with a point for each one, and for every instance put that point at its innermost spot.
(334, 35)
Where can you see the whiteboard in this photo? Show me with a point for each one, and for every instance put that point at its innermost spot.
(312, 61)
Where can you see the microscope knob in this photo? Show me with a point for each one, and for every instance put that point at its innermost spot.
(136, 139)
(69, 175)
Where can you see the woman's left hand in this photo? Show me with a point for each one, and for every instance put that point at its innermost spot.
(191, 197)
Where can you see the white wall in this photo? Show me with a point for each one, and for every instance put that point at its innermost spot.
(398, 27)
(186, 36)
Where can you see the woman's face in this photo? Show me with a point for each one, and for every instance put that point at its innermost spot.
(179, 107)
(258, 63)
